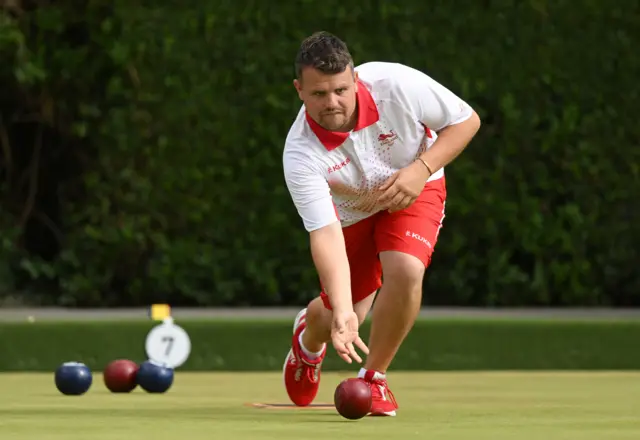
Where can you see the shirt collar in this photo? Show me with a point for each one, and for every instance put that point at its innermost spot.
(367, 115)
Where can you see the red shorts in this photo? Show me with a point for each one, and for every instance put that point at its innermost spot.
(413, 231)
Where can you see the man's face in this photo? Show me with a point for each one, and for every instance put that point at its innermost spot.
(329, 99)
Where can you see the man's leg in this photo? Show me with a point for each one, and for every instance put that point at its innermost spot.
(311, 333)
(405, 243)
(312, 327)
(396, 308)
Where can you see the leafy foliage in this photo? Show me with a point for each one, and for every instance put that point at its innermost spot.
(156, 132)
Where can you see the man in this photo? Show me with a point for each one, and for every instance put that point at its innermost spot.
(363, 162)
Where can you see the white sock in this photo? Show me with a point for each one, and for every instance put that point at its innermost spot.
(377, 375)
(311, 355)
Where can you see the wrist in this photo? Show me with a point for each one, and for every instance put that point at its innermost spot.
(425, 166)
(340, 306)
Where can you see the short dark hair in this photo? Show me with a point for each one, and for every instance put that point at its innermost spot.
(324, 52)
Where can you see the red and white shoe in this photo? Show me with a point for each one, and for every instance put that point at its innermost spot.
(383, 403)
(301, 374)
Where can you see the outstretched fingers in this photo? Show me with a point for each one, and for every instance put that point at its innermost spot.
(343, 352)
(362, 346)
(353, 353)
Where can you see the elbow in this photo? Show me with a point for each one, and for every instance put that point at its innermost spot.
(475, 122)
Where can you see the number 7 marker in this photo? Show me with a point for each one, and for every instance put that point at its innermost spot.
(168, 344)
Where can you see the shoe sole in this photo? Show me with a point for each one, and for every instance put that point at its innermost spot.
(383, 414)
(301, 314)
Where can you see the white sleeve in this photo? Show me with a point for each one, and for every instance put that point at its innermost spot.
(432, 103)
(309, 191)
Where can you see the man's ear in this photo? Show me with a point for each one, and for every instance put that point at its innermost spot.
(298, 85)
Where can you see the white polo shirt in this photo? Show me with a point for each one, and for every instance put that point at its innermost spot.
(400, 109)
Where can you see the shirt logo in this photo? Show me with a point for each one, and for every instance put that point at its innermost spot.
(387, 138)
(338, 166)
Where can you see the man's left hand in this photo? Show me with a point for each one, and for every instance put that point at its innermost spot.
(404, 187)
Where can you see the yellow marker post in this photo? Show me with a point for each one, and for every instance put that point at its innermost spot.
(160, 312)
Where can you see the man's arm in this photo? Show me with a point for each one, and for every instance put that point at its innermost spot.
(452, 140)
(439, 110)
(442, 111)
(312, 198)
(330, 258)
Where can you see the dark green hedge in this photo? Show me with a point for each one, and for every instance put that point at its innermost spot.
(141, 148)
(262, 345)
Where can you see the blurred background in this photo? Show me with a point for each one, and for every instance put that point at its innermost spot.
(141, 149)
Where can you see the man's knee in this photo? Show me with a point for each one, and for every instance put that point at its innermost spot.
(317, 312)
(402, 271)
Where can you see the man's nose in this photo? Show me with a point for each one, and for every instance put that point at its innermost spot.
(332, 101)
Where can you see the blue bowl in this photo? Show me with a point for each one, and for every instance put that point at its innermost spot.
(73, 378)
(154, 377)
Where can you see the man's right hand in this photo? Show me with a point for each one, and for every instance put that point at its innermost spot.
(344, 334)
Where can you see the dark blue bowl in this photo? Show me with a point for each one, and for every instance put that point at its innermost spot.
(154, 377)
(73, 378)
